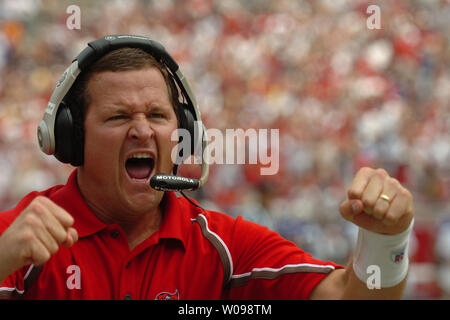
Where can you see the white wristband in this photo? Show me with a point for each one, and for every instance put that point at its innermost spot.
(387, 254)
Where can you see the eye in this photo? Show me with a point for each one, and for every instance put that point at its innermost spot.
(156, 115)
(117, 117)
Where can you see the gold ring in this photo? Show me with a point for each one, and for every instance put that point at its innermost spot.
(385, 197)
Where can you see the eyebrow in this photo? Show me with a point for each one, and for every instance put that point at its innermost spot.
(122, 109)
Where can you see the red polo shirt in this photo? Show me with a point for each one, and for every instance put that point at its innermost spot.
(196, 254)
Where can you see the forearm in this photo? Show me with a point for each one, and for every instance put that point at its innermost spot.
(344, 284)
(354, 288)
(3, 275)
(5, 269)
(6, 266)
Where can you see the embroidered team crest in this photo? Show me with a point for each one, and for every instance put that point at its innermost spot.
(168, 296)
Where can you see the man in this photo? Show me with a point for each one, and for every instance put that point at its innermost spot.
(107, 234)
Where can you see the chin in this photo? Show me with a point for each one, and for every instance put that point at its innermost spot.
(146, 201)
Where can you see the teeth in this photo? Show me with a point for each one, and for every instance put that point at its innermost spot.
(141, 155)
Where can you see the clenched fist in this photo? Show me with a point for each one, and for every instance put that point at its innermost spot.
(35, 235)
(378, 203)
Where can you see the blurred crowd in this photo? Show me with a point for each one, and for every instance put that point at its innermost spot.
(342, 95)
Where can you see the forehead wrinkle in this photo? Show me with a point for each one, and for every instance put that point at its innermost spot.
(122, 107)
(134, 84)
(139, 101)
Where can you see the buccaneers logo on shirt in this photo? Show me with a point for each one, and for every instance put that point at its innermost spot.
(168, 296)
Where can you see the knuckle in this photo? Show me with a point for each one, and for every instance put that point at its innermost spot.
(381, 172)
(32, 221)
(44, 256)
(37, 207)
(396, 182)
(364, 171)
(27, 236)
(39, 200)
(408, 194)
(34, 206)
(404, 193)
(393, 183)
(40, 255)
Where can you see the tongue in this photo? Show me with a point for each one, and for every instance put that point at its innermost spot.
(138, 170)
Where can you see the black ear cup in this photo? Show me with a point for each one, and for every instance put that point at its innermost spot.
(186, 118)
(68, 136)
(190, 127)
(186, 121)
(63, 134)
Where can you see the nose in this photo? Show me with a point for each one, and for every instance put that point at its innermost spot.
(140, 130)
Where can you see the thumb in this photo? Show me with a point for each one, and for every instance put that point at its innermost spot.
(350, 208)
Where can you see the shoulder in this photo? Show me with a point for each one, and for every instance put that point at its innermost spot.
(237, 236)
(228, 228)
(214, 219)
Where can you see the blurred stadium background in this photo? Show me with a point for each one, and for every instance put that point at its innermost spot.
(342, 96)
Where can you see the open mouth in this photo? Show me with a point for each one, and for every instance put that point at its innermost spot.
(139, 166)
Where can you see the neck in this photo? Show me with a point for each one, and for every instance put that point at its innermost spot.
(141, 229)
(137, 226)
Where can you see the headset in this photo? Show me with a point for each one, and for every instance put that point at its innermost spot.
(58, 133)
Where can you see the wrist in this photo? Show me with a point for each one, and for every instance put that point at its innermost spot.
(387, 252)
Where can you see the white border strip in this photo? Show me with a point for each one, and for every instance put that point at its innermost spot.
(309, 265)
(223, 244)
(28, 272)
(11, 289)
(24, 278)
